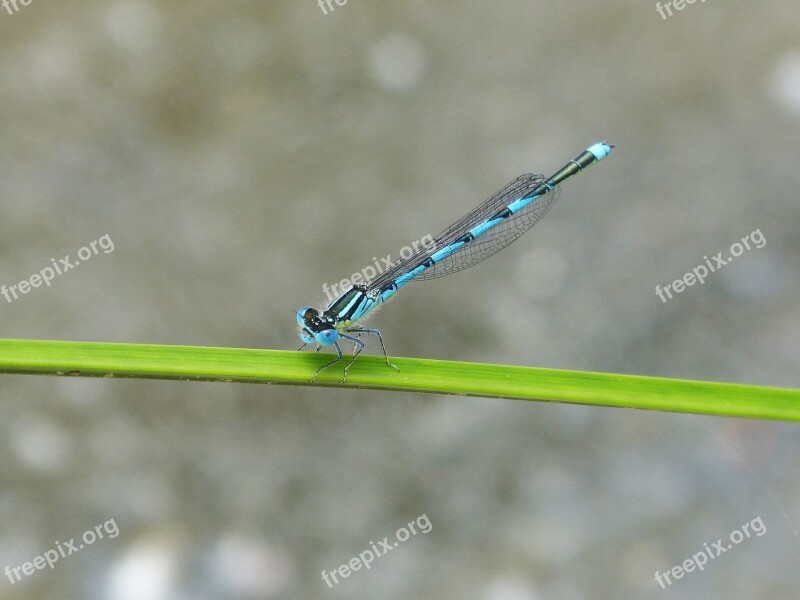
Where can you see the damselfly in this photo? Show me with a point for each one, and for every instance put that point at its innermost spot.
(478, 235)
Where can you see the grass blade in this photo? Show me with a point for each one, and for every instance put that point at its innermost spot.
(151, 361)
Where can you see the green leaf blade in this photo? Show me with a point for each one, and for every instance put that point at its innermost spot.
(152, 361)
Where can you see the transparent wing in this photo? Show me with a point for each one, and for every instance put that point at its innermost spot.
(483, 246)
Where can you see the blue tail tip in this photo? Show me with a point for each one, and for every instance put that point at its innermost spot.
(601, 149)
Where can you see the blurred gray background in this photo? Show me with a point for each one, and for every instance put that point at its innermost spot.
(241, 154)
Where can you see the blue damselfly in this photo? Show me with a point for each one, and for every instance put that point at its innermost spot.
(486, 230)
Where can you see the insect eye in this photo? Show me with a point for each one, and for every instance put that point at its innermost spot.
(306, 315)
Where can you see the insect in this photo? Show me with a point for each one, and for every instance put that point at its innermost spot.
(476, 236)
